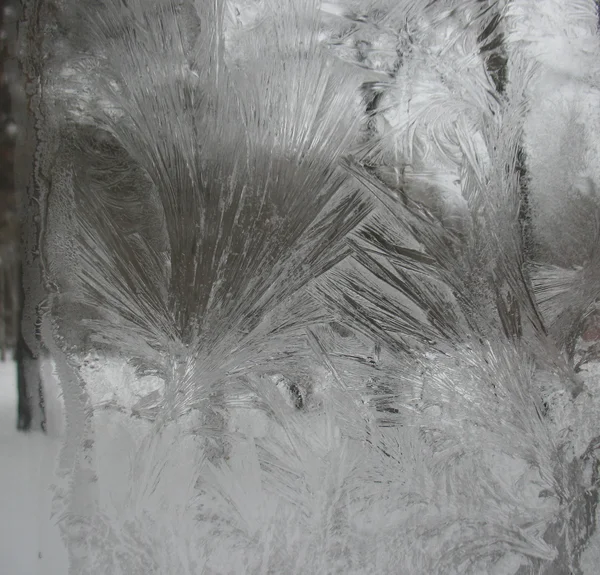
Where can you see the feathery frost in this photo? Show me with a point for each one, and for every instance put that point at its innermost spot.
(308, 307)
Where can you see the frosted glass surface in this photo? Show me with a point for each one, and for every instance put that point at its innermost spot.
(319, 283)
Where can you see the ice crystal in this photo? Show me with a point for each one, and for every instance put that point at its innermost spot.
(309, 309)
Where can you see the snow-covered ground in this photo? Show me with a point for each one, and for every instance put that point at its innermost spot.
(30, 542)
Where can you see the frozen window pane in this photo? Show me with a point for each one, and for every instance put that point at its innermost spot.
(320, 282)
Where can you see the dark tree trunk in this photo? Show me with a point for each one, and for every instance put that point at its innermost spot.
(18, 216)
(31, 412)
(30, 407)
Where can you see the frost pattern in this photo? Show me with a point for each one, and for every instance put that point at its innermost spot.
(309, 308)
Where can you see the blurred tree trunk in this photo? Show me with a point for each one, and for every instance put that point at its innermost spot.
(31, 412)
(17, 330)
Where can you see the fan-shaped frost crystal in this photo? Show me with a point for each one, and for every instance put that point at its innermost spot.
(318, 281)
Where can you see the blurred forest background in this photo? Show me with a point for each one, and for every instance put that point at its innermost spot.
(12, 286)
(9, 212)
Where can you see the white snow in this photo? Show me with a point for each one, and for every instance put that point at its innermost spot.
(30, 542)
